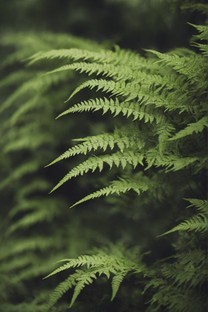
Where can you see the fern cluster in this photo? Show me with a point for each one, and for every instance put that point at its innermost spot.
(28, 108)
(145, 89)
(162, 100)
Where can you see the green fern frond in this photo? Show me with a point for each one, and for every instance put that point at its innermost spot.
(120, 72)
(200, 37)
(197, 223)
(108, 86)
(122, 139)
(75, 55)
(188, 66)
(170, 162)
(116, 107)
(116, 282)
(202, 31)
(107, 70)
(195, 127)
(129, 91)
(137, 183)
(201, 205)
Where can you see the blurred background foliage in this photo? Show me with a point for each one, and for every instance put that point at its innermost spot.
(134, 24)
(37, 229)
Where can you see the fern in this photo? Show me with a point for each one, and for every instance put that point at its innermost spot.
(137, 183)
(127, 109)
(155, 142)
(114, 264)
(133, 97)
(28, 106)
(197, 223)
(196, 127)
(122, 139)
(93, 163)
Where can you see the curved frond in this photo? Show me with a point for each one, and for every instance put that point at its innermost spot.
(137, 183)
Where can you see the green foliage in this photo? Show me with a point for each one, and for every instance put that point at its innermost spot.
(165, 94)
(145, 89)
(27, 110)
(187, 272)
(145, 152)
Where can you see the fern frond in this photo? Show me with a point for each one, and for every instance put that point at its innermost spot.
(170, 162)
(123, 138)
(197, 223)
(137, 183)
(93, 163)
(129, 91)
(202, 31)
(115, 107)
(116, 282)
(75, 55)
(120, 72)
(201, 205)
(195, 127)
(108, 86)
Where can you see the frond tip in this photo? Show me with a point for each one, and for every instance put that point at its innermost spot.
(197, 223)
